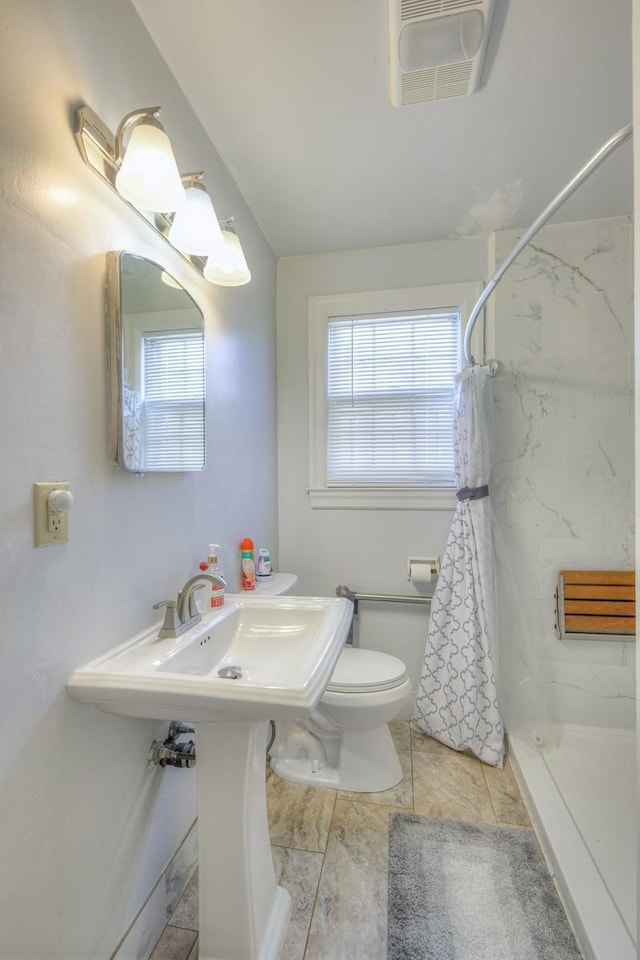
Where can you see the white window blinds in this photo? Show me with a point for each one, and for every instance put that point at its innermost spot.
(173, 400)
(391, 399)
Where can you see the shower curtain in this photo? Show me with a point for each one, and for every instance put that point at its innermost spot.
(457, 697)
(131, 427)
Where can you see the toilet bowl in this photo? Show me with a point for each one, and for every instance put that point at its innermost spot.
(346, 743)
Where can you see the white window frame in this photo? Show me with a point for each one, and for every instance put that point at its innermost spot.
(460, 297)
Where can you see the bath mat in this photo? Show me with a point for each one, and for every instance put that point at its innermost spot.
(464, 891)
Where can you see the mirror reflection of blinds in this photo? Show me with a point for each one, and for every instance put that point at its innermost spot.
(173, 400)
(391, 395)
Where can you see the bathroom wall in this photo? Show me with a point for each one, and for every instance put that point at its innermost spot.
(563, 485)
(87, 828)
(364, 549)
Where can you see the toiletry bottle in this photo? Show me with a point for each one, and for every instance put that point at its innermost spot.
(264, 570)
(247, 565)
(217, 593)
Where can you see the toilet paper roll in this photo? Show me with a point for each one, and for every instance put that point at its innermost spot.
(420, 573)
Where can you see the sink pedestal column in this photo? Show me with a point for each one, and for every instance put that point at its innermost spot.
(243, 913)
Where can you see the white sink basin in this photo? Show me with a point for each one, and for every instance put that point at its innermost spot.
(285, 647)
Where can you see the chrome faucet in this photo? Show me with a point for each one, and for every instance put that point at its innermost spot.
(181, 614)
(187, 612)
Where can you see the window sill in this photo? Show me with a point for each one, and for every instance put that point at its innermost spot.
(381, 498)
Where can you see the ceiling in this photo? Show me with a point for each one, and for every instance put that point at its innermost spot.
(294, 95)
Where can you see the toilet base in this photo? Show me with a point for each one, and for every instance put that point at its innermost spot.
(367, 762)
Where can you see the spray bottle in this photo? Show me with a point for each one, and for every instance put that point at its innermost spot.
(247, 565)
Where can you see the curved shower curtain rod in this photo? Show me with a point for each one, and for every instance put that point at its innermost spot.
(548, 212)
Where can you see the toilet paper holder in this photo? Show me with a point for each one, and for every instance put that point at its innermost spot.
(421, 570)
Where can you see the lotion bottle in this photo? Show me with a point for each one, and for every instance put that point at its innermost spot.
(264, 570)
(217, 593)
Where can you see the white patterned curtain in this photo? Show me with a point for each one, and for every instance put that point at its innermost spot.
(457, 697)
(131, 427)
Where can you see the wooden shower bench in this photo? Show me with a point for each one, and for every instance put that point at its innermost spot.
(596, 604)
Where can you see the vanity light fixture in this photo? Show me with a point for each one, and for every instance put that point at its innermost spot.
(228, 266)
(144, 174)
(148, 175)
(195, 228)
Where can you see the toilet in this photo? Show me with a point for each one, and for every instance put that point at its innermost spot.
(345, 743)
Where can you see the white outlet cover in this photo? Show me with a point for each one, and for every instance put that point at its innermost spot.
(42, 536)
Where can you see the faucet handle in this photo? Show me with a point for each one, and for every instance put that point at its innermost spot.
(171, 621)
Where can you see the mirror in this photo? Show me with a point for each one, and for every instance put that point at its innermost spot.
(157, 369)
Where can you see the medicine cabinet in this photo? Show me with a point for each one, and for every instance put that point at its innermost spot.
(157, 374)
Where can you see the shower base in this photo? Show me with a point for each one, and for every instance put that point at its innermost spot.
(581, 798)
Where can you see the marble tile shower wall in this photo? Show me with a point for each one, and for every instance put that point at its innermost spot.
(563, 481)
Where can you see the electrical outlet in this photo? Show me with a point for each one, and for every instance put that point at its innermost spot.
(55, 521)
(50, 526)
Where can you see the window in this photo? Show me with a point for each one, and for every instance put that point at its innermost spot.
(383, 387)
(173, 399)
(390, 395)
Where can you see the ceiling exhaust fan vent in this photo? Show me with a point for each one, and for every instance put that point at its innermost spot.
(436, 48)
(410, 9)
(438, 83)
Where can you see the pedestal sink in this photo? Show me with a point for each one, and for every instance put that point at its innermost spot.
(285, 649)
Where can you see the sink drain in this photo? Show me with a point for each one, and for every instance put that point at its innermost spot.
(230, 673)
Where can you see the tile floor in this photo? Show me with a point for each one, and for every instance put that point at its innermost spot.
(330, 849)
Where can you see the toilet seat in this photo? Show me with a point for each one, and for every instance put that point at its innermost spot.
(366, 671)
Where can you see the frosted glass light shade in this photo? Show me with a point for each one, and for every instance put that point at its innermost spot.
(433, 43)
(195, 228)
(148, 176)
(227, 266)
